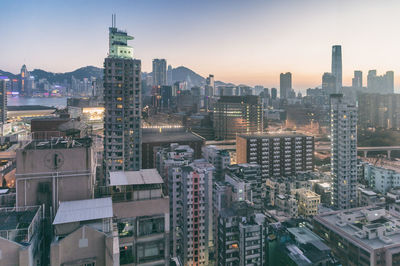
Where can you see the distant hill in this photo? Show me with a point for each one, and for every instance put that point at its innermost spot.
(80, 73)
(185, 74)
(8, 74)
(180, 73)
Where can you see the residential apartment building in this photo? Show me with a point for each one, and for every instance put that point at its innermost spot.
(141, 212)
(308, 202)
(123, 106)
(219, 158)
(246, 182)
(278, 154)
(344, 152)
(197, 238)
(379, 110)
(242, 236)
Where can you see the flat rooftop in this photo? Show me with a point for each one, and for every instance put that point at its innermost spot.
(303, 235)
(165, 135)
(83, 210)
(141, 177)
(15, 223)
(29, 108)
(59, 143)
(11, 220)
(362, 220)
(272, 135)
(251, 99)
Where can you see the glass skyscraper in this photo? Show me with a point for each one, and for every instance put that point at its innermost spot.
(337, 66)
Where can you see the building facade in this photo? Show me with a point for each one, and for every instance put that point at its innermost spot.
(361, 236)
(160, 72)
(219, 158)
(337, 67)
(3, 100)
(278, 154)
(237, 115)
(344, 152)
(285, 84)
(122, 99)
(197, 220)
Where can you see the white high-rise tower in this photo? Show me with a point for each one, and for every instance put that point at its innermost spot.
(343, 152)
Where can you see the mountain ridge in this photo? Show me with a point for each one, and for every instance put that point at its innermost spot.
(180, 73)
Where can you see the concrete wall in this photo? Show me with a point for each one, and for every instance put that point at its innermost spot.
(74, 247)
(9, 252)
(36, 161)
(70, 181)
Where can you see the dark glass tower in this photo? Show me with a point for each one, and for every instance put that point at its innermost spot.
(337, 66)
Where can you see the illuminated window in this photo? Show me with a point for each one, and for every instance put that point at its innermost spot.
(119, 99)
(119, 106)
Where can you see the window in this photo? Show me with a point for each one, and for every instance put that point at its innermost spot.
(148, 226)
(150, 251)
(125, 228)
(125, 255)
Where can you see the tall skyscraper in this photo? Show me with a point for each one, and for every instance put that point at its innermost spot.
(3, 100)
(285, 84)
(357, 80)
(159, 72)
(169, 75)
(343, 152)
(122, 97)
(328, 83)
(274, 93)
(26, 82)
(210, 86)
(337, 66)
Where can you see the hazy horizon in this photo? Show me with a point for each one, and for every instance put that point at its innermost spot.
(237, 41)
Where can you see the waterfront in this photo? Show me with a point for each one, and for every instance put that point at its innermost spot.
(58, 102)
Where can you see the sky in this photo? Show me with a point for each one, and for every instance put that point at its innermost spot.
(244, 42)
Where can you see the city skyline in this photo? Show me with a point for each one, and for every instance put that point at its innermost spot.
(209, 37)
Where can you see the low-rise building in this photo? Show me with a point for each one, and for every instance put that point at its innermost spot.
(308, 202)
(367, 197)
(361, 236)
(298, 246)
(84, 234)
(21, 238)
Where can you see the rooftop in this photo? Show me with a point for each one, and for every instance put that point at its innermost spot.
(167, 135)
(15, 223)
(356, 225)
(252, 99)
(59, 143)
(141, 177)
(83, 210)
(29, 108)
(303, 235)
(272, 135)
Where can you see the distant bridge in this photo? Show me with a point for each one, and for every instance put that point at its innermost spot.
(365, 150)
